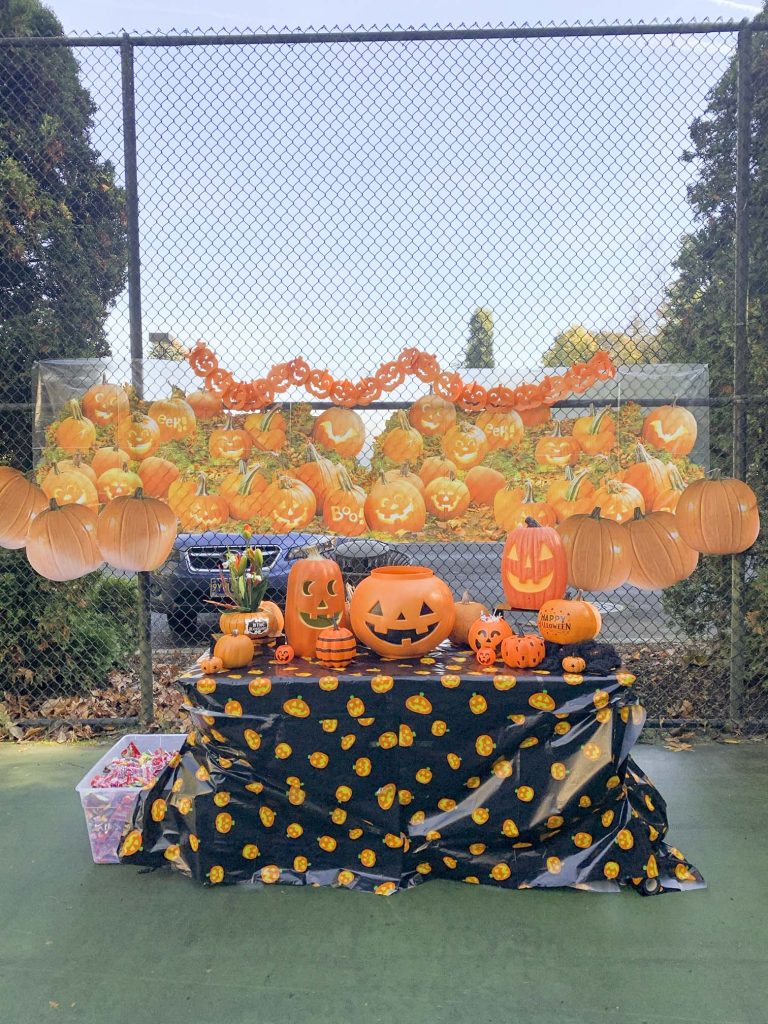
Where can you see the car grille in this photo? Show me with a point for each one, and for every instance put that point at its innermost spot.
(209, 559)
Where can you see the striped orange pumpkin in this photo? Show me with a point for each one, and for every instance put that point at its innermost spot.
(336, 646)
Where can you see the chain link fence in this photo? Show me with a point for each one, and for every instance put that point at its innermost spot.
(510, 201)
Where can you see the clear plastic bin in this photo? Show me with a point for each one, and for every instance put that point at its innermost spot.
(107, 810)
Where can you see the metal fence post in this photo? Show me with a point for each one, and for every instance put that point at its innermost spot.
(136, 333)
(740, 355)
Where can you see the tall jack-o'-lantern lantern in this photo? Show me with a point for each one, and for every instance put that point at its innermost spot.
(534, 568)
(402, 611)
(314, 600)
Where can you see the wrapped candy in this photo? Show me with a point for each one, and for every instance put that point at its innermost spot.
(133, 769)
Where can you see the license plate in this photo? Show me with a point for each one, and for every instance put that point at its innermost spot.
(216, 590)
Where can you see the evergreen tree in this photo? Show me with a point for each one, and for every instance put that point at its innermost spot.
(699, 329)
(480, 344)
(62, 227)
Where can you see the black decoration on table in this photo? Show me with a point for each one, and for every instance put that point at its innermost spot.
(390, 773)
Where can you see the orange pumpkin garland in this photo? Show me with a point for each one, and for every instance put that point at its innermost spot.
(530, 400)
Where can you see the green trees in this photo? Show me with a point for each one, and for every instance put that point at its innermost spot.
(636, 344)
(699, 328)
(480, 344)
(62, 233)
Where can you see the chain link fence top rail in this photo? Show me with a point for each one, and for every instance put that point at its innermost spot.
(338, 196)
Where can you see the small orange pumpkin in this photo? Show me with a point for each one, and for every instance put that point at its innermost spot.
(210, 666)
(485, 656)
(403, 443)
(467, 613)
(573, 665)
(526, 651)
(284, 653)
(234, 650)
(335, 646)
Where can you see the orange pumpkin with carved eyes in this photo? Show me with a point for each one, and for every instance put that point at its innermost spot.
(555, 450)
(395, 506)
(485, 657)
(289, 503)
(105, 404)
(670, 428)
(402, 611)
(447, 498)
(314, 600)
(534, 568)
(432, 415)
(465, 445)
(229, 443)
(138, 436)
(341, 431)
(488, 631)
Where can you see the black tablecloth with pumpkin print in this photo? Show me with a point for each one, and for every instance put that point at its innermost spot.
(393, 773)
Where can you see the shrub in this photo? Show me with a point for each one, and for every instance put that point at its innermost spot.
(62, 638)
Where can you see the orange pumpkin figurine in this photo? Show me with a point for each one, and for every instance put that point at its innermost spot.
(234, 650)
(485, 657)
(525, 651)
(335, 646)
(284, 653)
(488, 631)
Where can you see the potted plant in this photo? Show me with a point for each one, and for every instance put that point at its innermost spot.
(244, 583)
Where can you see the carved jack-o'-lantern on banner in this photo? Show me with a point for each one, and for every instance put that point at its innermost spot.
(402, 611)
(314, 601)
(534, 568)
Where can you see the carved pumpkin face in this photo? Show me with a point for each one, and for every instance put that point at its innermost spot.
(488, 631)
(573, 664)
(447, 498)
(533, 567)
(340, 430)
(138, 436)
(432, 415)
(465, 445)
(284, 653)
(289, 503)
(105, 404)
(315, 598)
(402, 611)
(395, 506)
(486, 656)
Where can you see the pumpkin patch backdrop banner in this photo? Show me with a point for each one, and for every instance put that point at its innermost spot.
(421, 468)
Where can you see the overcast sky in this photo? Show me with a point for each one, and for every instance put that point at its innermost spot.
(111, 15)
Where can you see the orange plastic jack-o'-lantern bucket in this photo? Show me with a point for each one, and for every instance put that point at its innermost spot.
(402, 611)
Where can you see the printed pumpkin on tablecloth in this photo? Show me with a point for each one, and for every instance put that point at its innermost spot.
(402, 611)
